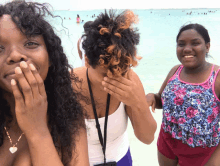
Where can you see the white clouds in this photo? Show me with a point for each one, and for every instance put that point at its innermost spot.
(127, 4)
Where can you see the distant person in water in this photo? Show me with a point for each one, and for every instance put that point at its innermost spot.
(78, 19)
(81, 51)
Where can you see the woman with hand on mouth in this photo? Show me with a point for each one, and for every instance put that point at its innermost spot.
(189, 96)
(41, 123)
(113, 90)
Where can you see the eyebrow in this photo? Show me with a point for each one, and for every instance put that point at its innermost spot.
(191, 40)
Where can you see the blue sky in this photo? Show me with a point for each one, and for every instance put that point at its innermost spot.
(127, 4)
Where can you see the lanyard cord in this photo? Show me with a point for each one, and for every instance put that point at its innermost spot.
(103, 144)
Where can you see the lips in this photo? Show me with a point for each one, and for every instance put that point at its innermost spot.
(9, 74)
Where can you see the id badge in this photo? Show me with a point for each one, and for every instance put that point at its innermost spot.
(108, 164)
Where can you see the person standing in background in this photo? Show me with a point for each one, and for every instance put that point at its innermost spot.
(81, 51)
(78, 19)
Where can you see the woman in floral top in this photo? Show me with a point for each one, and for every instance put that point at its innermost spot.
(189, 96)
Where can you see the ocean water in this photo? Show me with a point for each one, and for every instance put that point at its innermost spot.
(158, 30)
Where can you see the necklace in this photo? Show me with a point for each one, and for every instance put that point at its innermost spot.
(13, 148)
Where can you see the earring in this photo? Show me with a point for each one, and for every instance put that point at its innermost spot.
(206, 55)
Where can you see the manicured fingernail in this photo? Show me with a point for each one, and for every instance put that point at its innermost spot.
(18, 70)
(13, 82)
(32, 67)
(23, 64)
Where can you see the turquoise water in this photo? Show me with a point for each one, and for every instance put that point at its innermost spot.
(158, 30)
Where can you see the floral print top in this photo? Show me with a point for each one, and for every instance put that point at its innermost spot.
(191, 111)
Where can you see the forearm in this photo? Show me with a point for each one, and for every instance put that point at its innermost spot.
(143, 123)
(43, 151)
(158, 100)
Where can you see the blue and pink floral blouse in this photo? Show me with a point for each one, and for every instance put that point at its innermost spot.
(191, 111)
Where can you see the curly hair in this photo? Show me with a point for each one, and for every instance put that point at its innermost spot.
(65, 114)
(111, 42)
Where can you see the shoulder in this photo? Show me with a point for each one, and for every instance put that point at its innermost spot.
(169, 75)
(172, 71)
(217, 81)
(80, 71)
(80, 74)
(217, 68)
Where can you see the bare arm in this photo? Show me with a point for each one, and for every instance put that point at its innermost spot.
(81, 157)
(78, 48)
(141, 118)
(31, 115)
(130, 91)
(43, 151)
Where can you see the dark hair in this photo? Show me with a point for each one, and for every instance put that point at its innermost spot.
(86, 26)
(199, 28)
(111, 42)
(65, 114)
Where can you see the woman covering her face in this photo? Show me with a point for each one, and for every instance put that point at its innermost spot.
(113, 90)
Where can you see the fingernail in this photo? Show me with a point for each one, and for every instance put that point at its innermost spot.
(23, 64)
(13, 82)
(18, 70)
(105, 78)
(32, 67)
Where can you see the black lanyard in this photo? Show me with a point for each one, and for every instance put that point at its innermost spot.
(96, 118)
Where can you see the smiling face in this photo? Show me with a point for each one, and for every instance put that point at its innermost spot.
(191, 48)
(16, 47)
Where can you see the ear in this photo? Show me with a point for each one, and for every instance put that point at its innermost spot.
(87, 62)
(207, 47)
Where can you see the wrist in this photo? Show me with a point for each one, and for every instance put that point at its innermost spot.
(37, 135)
(140, 106)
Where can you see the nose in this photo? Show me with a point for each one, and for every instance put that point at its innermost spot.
(16, 56)
(187, 49)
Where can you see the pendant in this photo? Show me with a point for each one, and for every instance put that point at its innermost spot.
(13, 149)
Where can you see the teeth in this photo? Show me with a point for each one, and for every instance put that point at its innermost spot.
(189, 56)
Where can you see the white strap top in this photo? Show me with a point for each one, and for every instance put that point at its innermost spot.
(117, 139)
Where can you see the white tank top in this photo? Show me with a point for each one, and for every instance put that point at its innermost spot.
(117, 143)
